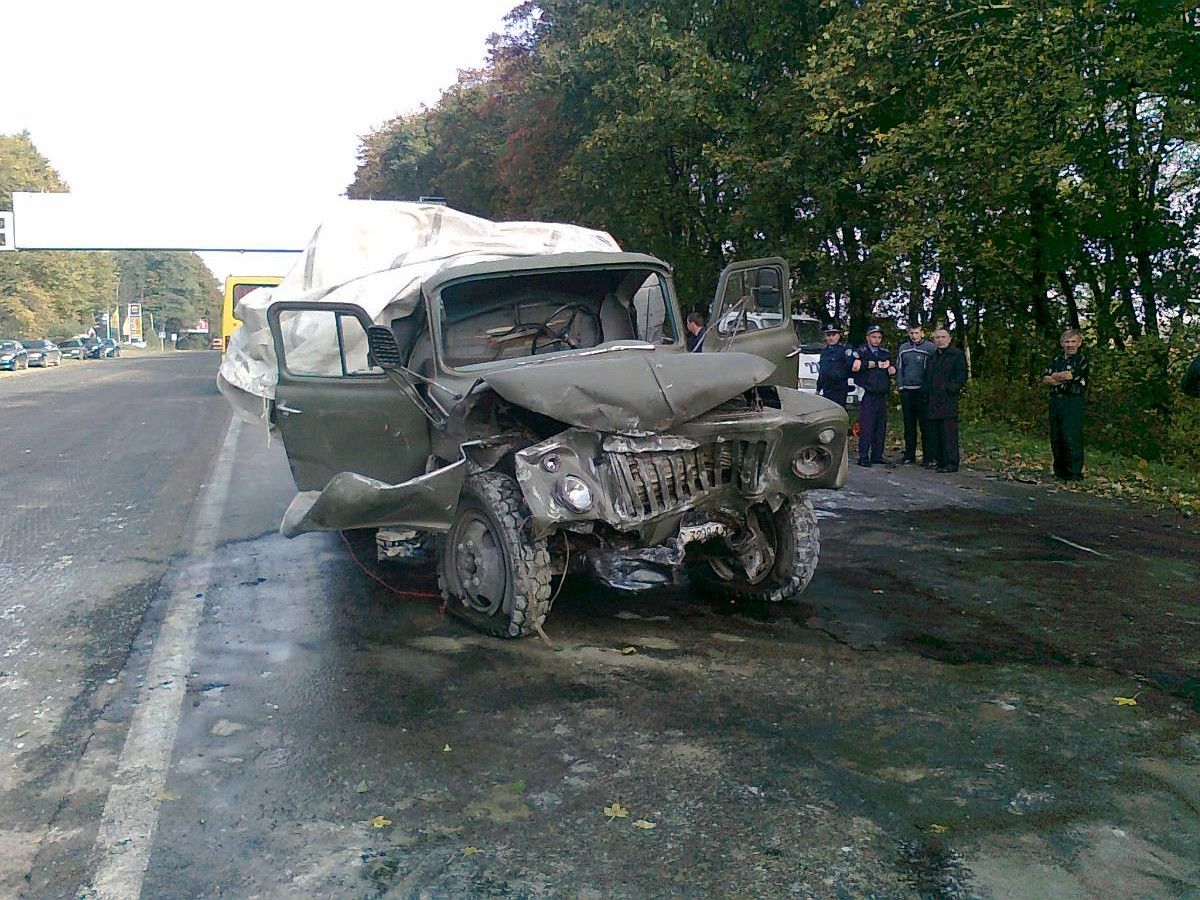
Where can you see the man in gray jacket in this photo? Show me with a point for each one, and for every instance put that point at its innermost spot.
(914, 397)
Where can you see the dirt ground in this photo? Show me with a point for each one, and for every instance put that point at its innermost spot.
(989, 690)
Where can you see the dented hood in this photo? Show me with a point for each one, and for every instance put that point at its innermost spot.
(630, 389)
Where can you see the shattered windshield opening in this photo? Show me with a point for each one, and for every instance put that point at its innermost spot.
(508, 317)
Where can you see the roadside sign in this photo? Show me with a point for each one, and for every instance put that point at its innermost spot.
(133, 320)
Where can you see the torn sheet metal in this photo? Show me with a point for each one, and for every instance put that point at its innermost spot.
(639, 394)
(650, 567)
(355, 501)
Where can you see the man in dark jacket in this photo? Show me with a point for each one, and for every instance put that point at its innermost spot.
(694, 336)
(873, 371)
(1191, 379)
(1067, 378)
(913, 358)
(833, 371)
(945, 377)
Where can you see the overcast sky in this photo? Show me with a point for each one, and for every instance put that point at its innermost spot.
(255, 99)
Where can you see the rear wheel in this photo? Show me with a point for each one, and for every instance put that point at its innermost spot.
(794, 540)
(493, 573)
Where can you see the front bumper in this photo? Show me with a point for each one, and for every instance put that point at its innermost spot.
(725, 459)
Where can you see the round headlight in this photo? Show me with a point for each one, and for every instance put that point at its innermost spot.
(826, 435)
(574, 494)
(810, 462)
(551, 463)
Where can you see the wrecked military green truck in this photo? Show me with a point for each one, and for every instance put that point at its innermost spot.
(540, 415)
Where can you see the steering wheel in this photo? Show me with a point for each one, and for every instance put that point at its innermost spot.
(562, 334)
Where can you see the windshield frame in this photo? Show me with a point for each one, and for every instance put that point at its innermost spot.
(647, 265)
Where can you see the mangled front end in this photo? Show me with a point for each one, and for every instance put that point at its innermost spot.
(637, 501)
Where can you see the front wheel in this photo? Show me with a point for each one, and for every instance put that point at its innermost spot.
(792, 535)
(494, 574)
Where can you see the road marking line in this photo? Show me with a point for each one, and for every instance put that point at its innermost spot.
(126, 833)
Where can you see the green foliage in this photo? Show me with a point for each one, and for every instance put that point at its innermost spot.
(23, 168)
(174, 287)
(1135, 407)
(1004, 169)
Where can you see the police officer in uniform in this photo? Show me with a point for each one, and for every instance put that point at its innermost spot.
(873, 370)
(833, 371)
(1067, 378)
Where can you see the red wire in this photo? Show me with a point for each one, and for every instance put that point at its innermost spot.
(425, 595)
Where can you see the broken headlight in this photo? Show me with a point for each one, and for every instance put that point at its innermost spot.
(573, 494)
(811, 462)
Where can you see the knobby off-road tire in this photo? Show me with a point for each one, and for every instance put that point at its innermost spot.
(797, 546)
(493, 573)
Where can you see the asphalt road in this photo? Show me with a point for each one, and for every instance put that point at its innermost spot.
(195, 706)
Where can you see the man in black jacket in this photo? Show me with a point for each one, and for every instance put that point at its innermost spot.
(1067, 377)
(945, 377)
(873, 371)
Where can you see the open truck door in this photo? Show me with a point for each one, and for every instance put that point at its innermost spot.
(752, 313)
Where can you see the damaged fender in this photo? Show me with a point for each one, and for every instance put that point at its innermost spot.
(350, 500)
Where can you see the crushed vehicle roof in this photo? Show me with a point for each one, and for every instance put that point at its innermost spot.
(377, 255)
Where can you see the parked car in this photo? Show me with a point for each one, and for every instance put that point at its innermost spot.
(73, 348)
(93, 347)
(109, 348)
(524, 418)
(43, 352)
(13, 356)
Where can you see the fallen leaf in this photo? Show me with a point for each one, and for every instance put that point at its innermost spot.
(362, 787)
(166, 795)
(380, 822)
(471, 851)
(938, 829)
(616, 811)
(626, 651)
(1126, 701)
(877, 591)
(446, 749)
(643, 824)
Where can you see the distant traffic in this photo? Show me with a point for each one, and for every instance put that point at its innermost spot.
(31, 353)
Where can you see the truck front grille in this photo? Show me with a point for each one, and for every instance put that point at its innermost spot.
(654, 482)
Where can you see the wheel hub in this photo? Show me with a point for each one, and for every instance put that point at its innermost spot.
(478, 564)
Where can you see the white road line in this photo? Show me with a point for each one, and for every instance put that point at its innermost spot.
(130, 816)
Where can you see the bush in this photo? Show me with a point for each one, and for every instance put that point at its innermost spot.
(193, 342)
(1135, 406)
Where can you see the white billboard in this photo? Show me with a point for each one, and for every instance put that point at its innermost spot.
(77, 222)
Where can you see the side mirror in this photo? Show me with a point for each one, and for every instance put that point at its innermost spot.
(767, 291)
(381, 345)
